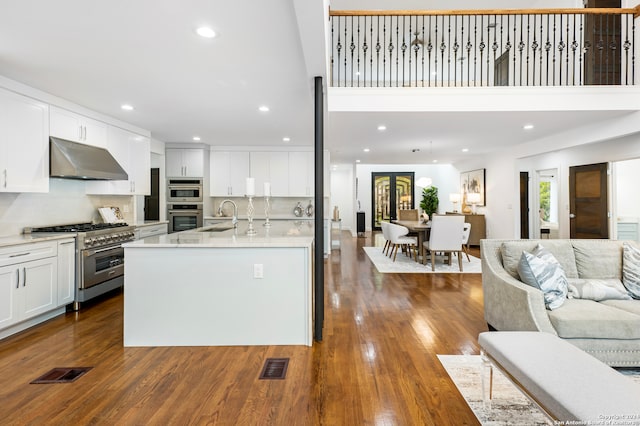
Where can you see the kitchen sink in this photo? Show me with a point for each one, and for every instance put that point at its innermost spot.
(216, 228)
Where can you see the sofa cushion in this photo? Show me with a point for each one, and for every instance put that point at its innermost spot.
(562, 250)
(598, 290)
(598, 258)
(541, 270)
(631, 269)
(586, 319)
(632, 306)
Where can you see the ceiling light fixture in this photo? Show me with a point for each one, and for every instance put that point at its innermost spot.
(263, 108)
(527, 126)
(286, 139)
(465, 149)
(366, 150)
(196, 138)
(435, 161)
(357, 161)
(382, 127)
(126, 107)
(206, 32)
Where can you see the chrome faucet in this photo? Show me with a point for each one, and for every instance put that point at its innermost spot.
(234, 219)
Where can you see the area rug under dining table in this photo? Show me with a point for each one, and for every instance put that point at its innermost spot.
(406, 264)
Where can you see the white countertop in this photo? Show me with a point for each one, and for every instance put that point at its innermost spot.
(276, 217)
(30, 238)
(150, 223)
(289, 233)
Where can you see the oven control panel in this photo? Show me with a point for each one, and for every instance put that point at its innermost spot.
(108, 239)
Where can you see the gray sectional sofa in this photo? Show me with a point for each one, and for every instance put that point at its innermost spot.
(607, 329)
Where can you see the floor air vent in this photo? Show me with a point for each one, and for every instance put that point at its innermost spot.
(274, 368)
(62, 375)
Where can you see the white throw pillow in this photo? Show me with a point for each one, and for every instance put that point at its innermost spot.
(541, 270)
(631, 270)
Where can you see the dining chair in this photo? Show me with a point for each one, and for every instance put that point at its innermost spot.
(445, 237)
(408, 214)
(385, 234)
(466, 231)
(398, 237)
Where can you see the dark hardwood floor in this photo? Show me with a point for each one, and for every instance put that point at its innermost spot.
(376, 366)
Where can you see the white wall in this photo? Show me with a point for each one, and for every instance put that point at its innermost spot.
(627, 176)
(445, 177)
(343, 195)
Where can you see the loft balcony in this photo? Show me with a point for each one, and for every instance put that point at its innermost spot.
(483, 48)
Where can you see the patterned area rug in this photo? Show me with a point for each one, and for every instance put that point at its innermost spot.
(509, 405)
(405, 264)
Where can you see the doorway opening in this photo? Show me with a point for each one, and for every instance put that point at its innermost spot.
(548, 202)
(390, 192)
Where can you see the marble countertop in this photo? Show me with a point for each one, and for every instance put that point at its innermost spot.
(15, 240)
(282, 233)
(274, 217)
(150, 223)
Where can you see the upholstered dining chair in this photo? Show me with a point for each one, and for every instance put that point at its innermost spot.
(466, 231)
(445, 237)
(408, 214)
(398, 237)
(385, 234)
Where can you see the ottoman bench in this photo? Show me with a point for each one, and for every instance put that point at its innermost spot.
(567, 383)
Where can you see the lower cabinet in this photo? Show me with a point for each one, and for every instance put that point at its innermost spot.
(35, 281)
(151, 230)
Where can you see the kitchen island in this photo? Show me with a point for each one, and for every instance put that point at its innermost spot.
(216, 286)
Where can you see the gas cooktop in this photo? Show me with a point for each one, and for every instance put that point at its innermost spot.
(77, 227)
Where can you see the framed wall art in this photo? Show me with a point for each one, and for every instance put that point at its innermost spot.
(473, 182)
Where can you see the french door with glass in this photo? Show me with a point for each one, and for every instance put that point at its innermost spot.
(390, 192)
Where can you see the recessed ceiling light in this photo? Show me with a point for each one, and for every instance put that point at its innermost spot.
(126, 107)
(357, 161)
(465, 149)
(382, 127)
(435, 161)
(366, 150)
(528, 126)
(196, 138)
(286, 139)
(206, 32)
(263, 108)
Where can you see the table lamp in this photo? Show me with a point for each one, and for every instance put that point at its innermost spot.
(473, 198)
(455, 199)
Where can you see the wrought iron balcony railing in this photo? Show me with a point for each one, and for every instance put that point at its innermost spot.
(553, 47)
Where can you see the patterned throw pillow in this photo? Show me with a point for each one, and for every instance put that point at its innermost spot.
(631, 270)
(541, 270)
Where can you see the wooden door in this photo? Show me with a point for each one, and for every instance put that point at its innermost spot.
(524, 205)
(588, 201)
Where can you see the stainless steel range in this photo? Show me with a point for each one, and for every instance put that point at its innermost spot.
(99, 256)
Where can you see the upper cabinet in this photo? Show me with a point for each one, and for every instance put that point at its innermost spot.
(133, 153)
(272, 167)
(184, 162)
(68, 125)
(228, 171)
(301, 172)
(24, 144)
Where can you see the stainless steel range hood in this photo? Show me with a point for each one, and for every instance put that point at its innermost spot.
(71, 160)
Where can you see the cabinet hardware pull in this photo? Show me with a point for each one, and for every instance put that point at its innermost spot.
(20, 254)
(67, 242)
(24, 277)
(18, 278)
(5, 178)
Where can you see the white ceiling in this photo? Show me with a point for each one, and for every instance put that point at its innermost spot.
(101, 54)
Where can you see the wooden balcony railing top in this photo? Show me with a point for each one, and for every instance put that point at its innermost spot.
(523, 47)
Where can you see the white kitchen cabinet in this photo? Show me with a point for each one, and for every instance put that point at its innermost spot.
(66, 271)
(301, 173)
(184, 162)
(24, 144)
(228, 172)
(272, 167)
(69, 125)
(133, 153)
(28, 282)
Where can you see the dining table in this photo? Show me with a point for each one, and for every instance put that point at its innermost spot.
(419, 227)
